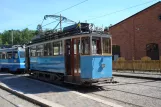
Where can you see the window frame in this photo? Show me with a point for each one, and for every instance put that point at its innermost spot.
(41, 52)
(58, 44)
(99, 48)
(109, 46)
(31, 51)
(9, 53)
(82, 45)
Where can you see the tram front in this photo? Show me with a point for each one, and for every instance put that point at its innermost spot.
(96, 58)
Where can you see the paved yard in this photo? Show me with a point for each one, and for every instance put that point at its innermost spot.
(9, 100)
(131, 92)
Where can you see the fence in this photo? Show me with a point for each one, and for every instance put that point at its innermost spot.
(145, 64)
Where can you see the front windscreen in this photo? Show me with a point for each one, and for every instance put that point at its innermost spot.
(22, 54)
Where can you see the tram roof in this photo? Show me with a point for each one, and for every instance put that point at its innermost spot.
(95, 34)
(12, 49)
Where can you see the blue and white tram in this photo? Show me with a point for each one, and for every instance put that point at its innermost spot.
(83, 58)
(12, 59)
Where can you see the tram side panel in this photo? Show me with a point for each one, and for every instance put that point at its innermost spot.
(4, 63)
(96, 67)
(21, 61)
(53, 64)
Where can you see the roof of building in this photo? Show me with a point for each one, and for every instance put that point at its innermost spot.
(159, 2)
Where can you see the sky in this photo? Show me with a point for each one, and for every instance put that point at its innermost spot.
(21, 14)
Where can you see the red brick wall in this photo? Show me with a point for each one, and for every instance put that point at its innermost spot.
(134, 33)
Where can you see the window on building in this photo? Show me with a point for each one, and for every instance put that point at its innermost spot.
(152, 51)
(33, 51)
(96, 45)
(39, 50)
(85, 45)
(57, 48)
(106, 46)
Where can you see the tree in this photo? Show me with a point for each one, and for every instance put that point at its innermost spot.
(6, 43)
(19, 37)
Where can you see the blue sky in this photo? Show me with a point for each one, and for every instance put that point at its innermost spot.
(18, 14)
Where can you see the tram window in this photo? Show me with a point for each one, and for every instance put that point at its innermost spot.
(96, 45)
(0, 55)
(39, 50)
(85, 46)
(22, 54)
(3, 55)
(61, 49)
(15, 54)
(33, 51)
(9, 55)
(57, 48)
(76, 46)
(106, 45)
(47, 49)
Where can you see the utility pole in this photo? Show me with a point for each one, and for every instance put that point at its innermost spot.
(12, 36)
(60, 23)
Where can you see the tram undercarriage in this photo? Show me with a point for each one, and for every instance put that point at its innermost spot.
(59, 77)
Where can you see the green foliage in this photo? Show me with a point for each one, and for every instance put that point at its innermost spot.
(6, 43)
(19, 37)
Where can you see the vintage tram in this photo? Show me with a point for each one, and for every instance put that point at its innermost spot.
(12, 59)
(75, 55)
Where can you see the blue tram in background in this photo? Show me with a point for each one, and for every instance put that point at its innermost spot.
(12, 59)
(77, 56)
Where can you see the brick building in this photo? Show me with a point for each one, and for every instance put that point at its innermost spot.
(138, 35)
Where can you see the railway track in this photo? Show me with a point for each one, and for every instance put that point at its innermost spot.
(101, 91)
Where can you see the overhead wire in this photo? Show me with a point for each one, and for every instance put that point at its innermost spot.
(97, 16)
(66, 9)
(57, 13)
(121, 10)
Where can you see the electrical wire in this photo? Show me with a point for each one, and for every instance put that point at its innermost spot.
(67, 9)
(121, 10)
(72, 6)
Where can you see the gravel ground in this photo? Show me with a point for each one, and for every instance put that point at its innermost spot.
(9, 100)
(131, 92)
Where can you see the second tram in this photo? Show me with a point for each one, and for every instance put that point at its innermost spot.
(12, 59)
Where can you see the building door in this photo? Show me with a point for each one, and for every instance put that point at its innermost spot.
(152, 51)
(115, 52)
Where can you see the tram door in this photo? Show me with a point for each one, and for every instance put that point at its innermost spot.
(68, 56)
(72, 57)
(27, 59)
(76, 56)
